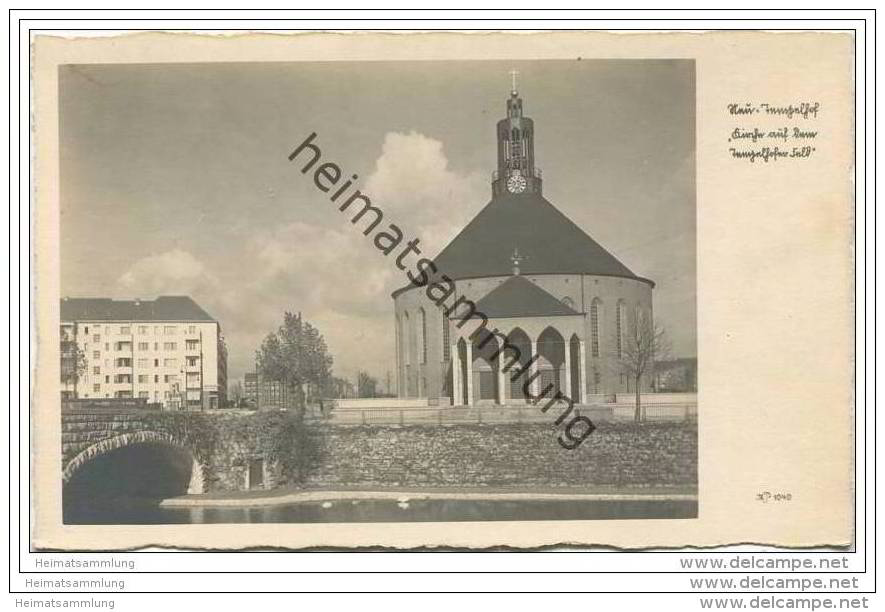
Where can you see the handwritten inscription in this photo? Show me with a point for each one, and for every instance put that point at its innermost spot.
(761, 135)
(768, 496)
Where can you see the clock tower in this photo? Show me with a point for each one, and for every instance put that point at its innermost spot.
(516, 171)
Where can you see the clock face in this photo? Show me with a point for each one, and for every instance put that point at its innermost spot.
(516, 183)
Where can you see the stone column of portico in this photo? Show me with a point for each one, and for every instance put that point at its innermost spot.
(503, 387)
(582, 372)
(536, 380)
(568, 370)
(456, 376)
(469, 360)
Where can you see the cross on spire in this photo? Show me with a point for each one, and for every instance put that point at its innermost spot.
(513, 75)
(516, 258)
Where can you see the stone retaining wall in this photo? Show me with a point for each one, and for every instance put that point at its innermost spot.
(464, 455)
(618, 454)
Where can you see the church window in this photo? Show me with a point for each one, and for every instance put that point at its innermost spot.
(446, 339)
(398, 332)
(422, 335)
(621, 327)
(406, 357)
(594, 327)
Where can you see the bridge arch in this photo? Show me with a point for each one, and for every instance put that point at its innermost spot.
(198, 477)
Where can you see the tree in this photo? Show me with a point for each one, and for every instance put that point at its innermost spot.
(295, 355)
(73, 361)
(366, 385)
(641, 344)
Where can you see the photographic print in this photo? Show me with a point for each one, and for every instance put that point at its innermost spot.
(398, 291)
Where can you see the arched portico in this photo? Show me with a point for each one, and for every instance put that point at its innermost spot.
(551, 361)
(508, 353)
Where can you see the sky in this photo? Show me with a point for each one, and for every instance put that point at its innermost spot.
(175, 181)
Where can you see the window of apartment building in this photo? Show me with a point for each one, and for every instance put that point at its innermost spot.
(156, 346)
(191, 329)
(157, 330)
(122, 378)
(96, 387)
(169, 346)
(125, 330)
(192, 361)
(143, 394)
(124, 362)
(107, 379)
(156, 363)
(96, 354)
(170, 363)
(169, 330)
(143, 346)
(170, 378)
(156, 378)
(143, 378)
(96, 338)
(96, 370)
(144, 363)
(86, 330)
(107, 346)
(142, 330)
(192, 345)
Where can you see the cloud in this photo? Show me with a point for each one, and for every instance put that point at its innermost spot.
(413, 183)
(173, 272)
(323, 268)
(333, 274)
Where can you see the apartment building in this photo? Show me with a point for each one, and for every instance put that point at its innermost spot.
(169, 351)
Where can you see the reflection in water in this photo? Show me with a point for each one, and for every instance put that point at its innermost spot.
(346, 511)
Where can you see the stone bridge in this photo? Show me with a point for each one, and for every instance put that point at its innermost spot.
(203, 451)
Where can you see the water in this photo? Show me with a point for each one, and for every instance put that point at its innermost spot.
(130, 511)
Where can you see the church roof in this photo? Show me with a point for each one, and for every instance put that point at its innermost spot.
(520, 297)
(164, 308)
(548, 243)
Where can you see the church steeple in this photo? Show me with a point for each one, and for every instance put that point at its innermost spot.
(516, 171)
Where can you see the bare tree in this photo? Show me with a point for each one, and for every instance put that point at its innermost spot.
(642, 343)
(236, 393)
(366, 385)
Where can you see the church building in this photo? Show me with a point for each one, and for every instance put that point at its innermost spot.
(546, 285)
